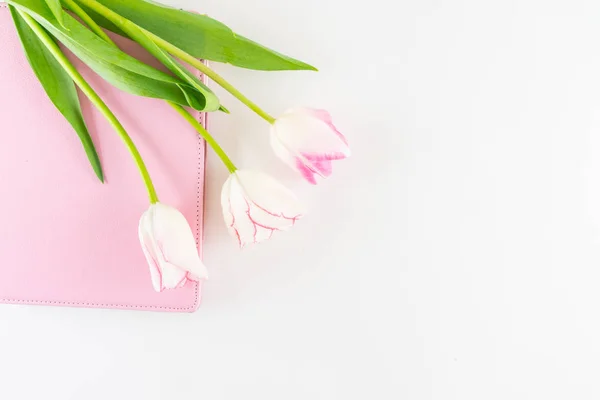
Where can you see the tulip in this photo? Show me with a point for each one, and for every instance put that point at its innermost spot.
(307, 140)
(170, 248)
(255, 205)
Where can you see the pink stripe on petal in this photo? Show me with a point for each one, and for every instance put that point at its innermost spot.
(324, 167)
(324, 116)
(320, 163)
(339, 134)
(153, 264)
(251, 220)
(293, 219)
(255, 228)
(181, 283)
(325, 156)
(276, 215)
(306, 172)
(265, 210)
(232, 226)
(160, 278)
(256, 223)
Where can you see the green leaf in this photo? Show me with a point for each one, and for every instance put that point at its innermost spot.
(58, 86)
(118, 68)
(56, 9)
(198, 35)
(137, 34)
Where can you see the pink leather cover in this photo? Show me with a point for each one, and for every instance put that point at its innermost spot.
(66, 239)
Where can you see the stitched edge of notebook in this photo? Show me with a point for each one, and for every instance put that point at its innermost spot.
(199, 222)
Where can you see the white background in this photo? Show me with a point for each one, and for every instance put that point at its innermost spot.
(454, 256)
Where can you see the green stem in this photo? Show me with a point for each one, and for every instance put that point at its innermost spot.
(182, 55)
(205, 135)
(186, 115)
(206, 70)
(94, 27)
(95, 99)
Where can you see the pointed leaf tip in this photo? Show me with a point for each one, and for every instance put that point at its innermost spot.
(58, 85)
(57, 11)
(199, 35)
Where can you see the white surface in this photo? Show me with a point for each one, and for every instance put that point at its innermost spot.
(455, 256)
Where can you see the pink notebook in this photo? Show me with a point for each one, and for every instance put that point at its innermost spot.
(65, 238)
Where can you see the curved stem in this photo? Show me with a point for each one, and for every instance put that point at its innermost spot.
(179, 53)
(205, 135)
(186, 115)
(95, 99)
(206, 70)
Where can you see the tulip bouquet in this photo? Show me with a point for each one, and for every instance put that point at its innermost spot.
(254, 204)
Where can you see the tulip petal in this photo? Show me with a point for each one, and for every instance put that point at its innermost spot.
(268, 194)
(176, 241)
(170, 248)
(324, 116)
(148, 247)
(235, 212)
(306, 171)
(307, 140)
(256, 205)
(173, 276)
(320, 164)
(155, 274)
(311, 131)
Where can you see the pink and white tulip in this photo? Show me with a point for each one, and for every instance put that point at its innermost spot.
(307, 140)
(170, 248)
(255, 205)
